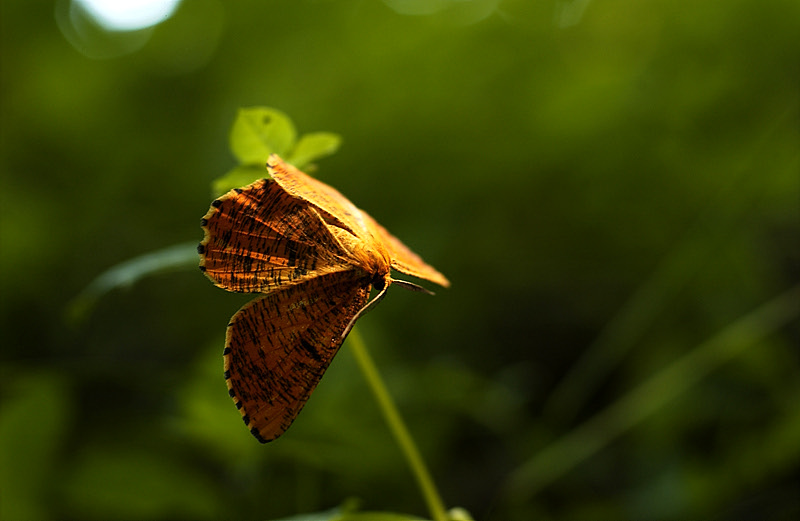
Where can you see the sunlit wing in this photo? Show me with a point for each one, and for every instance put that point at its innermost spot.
(403, 259)
(324, 197)
(334, 203)
(259, 238)
(278, 347)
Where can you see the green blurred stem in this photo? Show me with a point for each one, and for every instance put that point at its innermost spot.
(398, 427)
(650, 396)
(708, 234)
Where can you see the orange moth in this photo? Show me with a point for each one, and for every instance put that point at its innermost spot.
(315, 257)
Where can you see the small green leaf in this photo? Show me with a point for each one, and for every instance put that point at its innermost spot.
(459, 514)
(313, 146)
(378, 516)
(345, 514)
(240, 176)
(259, 132)
(333, 514)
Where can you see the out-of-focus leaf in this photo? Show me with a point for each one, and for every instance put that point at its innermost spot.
(333, 514)
(313, 146)
(207, 416)
(259, 132)
(653, 394)
(128, 483)
(337, 514)
(239, 176)
(459, 514)
(774, 451)
(378, 516)
(178, 257)
(569, 12)
(35, 408)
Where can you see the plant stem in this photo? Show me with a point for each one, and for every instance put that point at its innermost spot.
(398, 427)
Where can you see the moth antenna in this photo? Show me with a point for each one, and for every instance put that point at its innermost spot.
(411, 286)
(374, 302)
(363, 311)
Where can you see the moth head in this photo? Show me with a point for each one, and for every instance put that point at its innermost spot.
(381, 281)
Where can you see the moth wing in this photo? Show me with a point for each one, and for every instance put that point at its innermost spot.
(278, 347)
(259, 238)
(403, 259)
(338, 207)
(349, 216)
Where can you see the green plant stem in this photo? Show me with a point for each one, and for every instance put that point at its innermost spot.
(398, 427)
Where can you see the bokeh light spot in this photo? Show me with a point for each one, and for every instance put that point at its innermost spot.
(129, 15)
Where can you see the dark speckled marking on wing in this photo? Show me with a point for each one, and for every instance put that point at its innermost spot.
(278, 346)
(260, 238)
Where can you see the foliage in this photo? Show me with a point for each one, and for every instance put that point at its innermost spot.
(261, 131)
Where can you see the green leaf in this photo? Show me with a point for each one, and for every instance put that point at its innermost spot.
(125, 274)
(313, 146)
(259, 132)
(459, 514)
(239, 176)
(332, 514)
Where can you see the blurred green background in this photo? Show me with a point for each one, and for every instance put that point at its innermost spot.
(609, 186)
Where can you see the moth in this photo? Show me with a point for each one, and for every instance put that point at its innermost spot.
(315, 257)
